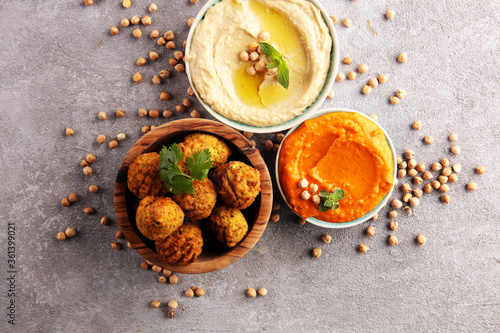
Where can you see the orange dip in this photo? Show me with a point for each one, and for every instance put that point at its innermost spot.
(340, 149)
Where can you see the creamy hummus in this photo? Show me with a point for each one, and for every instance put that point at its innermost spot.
(302, 37)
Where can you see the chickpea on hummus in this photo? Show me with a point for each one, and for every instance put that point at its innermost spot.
(228, 68)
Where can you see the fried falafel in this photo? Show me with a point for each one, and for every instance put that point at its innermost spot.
(228, 224)
(143, 177)
(199, 205)
(182, 247)
(239, 184)
(158, 217)
(196, 142)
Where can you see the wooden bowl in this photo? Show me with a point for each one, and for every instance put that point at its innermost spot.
(214, 255)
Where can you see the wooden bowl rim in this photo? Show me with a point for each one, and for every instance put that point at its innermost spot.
(180, 127)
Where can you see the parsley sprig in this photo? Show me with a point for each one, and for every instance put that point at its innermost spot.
(277, 61)
(330, 200)
(174, 178)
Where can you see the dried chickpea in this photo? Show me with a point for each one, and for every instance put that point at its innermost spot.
(394, 100)
(167, 113)
(152, 8)
(428, 139)
(392, 214)
(155, 304)
(137, 33)
(156, 268)
(93, 189)
(173, 279)
(61, 236)
(374, 117)
(189, 293)
(396, 203)
(390, 13)
(180, 108)
(171, 313)
(363, 248)
(194, 1)
(453, 178)
(412, 163)
(87, 171)
(275, 217)
(166, 272)
(141, 61)
(427, 175)
(455, 149)
(180, 68)
(301, 221)
(428, 188)
(102, 115)
(436, 184)
(403, 57)
(393, 240)
(178, 55)
(327, 239)
(88, 2)
(137, 77)
(417, 192)
(65, 202)
(480, 169)
(412, 172)
(135, 20)
(366, 90)
(417, 125)
(69, 131)
(417, 180)
(72, 197)
(169, 35)
(146, 20)
(190, 21)
(446, 171)
(251, 292)
(113, 144)
(457, 168)
(120, 114)
(104, 220)
(125, 22)
(153, 55)
(405, 188)
(142, 113)
(402, 165)
(453, 137)
(393, 225)
(436, 166)
(471, 186)
(401, 93)
(373, 82)
(156, 80)
(316, 252)
(370, 231)
(443, 179)
(347, 61)
(382, 78)
(145, 129)
(414, 202)
(164, 74)
(144, 265)
(407, 197)
(334, 19)
(340, 77)
(262, 291)
(200, 292)
(421, 239)
(445, 198)
(347, 22)
(114, 31)
(363, 68)
(161, 41)
(121, 136)
(162, 279)
(70, 232)
(420, 167)
(444, 188)
(374, 217)
(84, 163)
(351, 75)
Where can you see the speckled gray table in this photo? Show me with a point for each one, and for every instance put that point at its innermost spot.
(59, 66)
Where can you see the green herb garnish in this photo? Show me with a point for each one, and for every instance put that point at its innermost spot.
(277, 61)
(330, 200)
(174, 178)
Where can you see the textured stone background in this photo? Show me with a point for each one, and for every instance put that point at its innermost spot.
(59, 66)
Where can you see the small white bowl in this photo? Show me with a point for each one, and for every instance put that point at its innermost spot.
(365, 217)
(330, 79)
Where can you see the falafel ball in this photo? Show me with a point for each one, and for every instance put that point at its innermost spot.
(228, 224)
(199, 205)
(239, 184)
(158, 217)
(196, 142)
(143, 177)
(182, 247)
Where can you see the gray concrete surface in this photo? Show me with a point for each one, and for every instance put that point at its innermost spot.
(59, 66)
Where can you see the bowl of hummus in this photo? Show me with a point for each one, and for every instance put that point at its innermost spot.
(262, 65)
(337, 169)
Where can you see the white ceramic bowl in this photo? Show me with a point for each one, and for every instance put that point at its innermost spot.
(330, 79)
(365, 217)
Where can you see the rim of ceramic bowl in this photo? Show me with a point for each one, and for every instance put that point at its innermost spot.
(330, 79)
(368, 215)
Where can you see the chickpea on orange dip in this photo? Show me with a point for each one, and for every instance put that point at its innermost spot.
(336, 150)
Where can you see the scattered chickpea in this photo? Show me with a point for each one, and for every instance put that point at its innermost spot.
(436, 166)
(275, 217)
(280, 137)
(363, 68)
(405, 188)
(162, 279)
(334, 19)
(137, 33)
(171, 313)
(189, 293)
(428, 188)
(392, 214)
(427, 175)
(164, 96)
(396, 203)
(347, 22)
(331, 94)
(417, 180)
(120, 114)
(88, 2)
(363, 248)
(276, 205)
(403, 57)
(104, 220)
(370, 231)
(445, 198)
(114, 31)
(199, 292)
(161, 41)
(153, 8)
(453, 178)
(393, 225)
(180, 108)
(156, 268)
(137, 77)
(173, 279)
(373, 82)
(412, 163)
(351, 75)
(61, 236)
(446, 171)
(88, 210)
(412, 172)
(102, 115)
(394, 100)
(166, 272)
(70, 232)
(146, 20)
(390, 13)
(327, 239)
(316, 252)
(119, 234)
(169, 35)
(72, 197)
(167, 113)
(179, 67)
(113, 144)
(153, 55)
(402, 165)
(480, 170)
(393, 240)
(444, 188)
(142, 113)
(178, 55)
(164, 74)
(155, 304)
(84, 163)
(347, 61)
(420, 167)
(269, 145)
(87, 171)
(116, 246)
(455, 149)
(374, 217)
(340, 77)
(194, 1)
(457, 167)
(374, 117)
(190, 21)
(69, 131)
(156, 80)
(135, 20)
(262, 291)
(93, 189)
(443, 179)
(366, 90)
(414, 201)
(453, 137)
(145, 129)
(65, 202)
(125, 22)
(421, 239)
(428, 139)
(382, 78)
(436, 184)
(407, 197)
(251, 292)
(471, 186)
